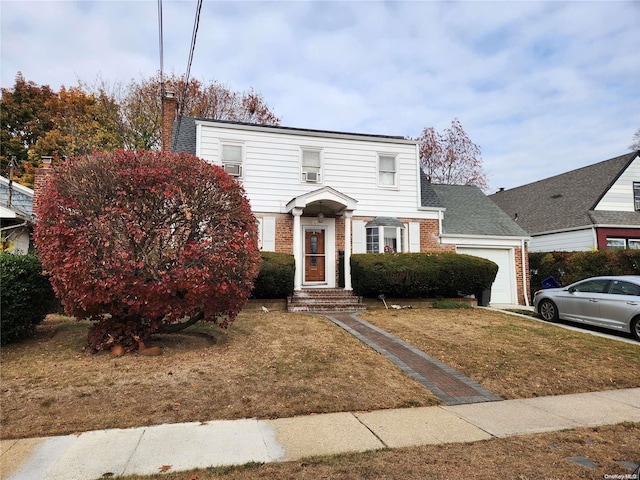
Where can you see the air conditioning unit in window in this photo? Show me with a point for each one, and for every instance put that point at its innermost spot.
(311, 177)
(233, 169)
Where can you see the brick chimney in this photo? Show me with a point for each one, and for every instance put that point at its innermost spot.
(40, 179)
(169, 107)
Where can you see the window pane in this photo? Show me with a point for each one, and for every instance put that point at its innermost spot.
(373, 243)
(390, 239)
(616, 243)
(387, 164)
(387, 178)
(592, 286)
(311, 158)
(625, 288)
(232, 153)
(634, 244)
(636, 195)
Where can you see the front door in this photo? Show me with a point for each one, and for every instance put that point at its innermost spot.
(314, 256)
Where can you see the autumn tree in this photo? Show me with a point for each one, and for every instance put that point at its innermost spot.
(26, 117)
(141, 242)
(36, 122)
(141, 106)
(83, 123)
(451, 157)
(635, 144)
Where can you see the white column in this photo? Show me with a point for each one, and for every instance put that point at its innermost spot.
(297, 248)
(347, 250)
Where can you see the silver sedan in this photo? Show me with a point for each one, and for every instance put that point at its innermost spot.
(610, 302)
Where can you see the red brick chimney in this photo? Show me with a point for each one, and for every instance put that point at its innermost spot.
(40, 179)
(169, 107)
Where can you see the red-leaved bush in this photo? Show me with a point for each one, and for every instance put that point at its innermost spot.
(142, 241)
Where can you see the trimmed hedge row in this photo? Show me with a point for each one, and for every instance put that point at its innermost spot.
(275, 279)
(569, 267)
(27, 296)
(421, 275)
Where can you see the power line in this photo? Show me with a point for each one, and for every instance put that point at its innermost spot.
(194, 35)
(160, 42)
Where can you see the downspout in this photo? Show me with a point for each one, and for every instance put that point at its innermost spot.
(525, 286)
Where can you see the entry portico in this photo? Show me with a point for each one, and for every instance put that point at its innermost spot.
(314, 237)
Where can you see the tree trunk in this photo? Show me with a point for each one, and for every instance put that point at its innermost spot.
(178, 327)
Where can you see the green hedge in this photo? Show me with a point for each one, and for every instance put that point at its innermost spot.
(569, 267)
(420, 275)
(275, 279)
(27, 296)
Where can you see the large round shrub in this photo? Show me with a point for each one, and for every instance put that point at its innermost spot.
(26, 297)
(138, 241)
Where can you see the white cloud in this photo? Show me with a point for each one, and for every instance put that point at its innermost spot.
(542, 87)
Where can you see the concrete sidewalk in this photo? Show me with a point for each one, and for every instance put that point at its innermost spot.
(175, 447)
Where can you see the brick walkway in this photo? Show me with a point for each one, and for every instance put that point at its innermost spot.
(449, 385)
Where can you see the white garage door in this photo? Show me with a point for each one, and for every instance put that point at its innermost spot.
(502, 288)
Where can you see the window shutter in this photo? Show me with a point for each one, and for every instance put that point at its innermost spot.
(268, 234)
(414, 237)
(357, 236)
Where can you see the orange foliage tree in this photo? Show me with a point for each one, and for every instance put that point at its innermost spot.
(451, 157)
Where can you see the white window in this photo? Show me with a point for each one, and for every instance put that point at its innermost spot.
(232, 159)
(636, 195)
(385, 239)
(311, 165)
(634, 244)
(616, 244)
(387, 170)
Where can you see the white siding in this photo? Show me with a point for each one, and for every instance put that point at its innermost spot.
(620, 196)
(578, 240)
(272, 177)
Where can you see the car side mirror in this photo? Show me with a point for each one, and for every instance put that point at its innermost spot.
(572, 289)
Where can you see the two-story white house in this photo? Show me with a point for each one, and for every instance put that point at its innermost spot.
(319, 194)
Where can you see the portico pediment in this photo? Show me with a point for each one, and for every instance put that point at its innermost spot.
(329, 197)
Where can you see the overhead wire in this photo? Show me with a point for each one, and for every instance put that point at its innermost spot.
(183, 97)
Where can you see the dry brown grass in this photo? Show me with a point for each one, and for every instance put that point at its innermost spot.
(515, 357)
(542, 456)
(280, 365)
(266, 366)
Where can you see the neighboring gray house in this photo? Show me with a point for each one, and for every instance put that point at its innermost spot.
(16, 216)
(594, 207)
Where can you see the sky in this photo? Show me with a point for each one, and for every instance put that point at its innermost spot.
(541, 87)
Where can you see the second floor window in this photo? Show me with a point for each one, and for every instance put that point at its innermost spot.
(636, 196)
(387, 171)
(311, 166)
(232, 159)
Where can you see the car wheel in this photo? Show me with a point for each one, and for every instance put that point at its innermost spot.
(635, 328)
(548, 311)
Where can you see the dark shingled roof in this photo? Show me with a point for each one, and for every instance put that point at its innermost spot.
(567, 200)
(186, 140)
(428, 196)
(470, 212)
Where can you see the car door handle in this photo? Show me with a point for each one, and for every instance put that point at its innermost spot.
(632, 303)
(593, 300)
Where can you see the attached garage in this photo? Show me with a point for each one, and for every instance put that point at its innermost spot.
(503, 289)
(477, 226)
